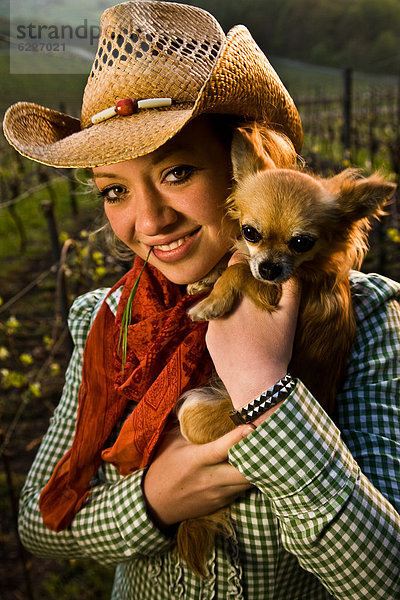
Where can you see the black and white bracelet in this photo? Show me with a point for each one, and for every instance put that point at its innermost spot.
(271, 397)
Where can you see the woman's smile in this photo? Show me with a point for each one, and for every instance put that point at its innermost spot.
(178, 248)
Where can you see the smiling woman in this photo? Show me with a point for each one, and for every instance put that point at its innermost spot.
(114, 477)
(172, 201)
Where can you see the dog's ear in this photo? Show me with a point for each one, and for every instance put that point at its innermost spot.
(361, 197)
(248, 155)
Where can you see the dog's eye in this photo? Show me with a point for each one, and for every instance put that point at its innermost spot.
(301, 243)
(251, 234)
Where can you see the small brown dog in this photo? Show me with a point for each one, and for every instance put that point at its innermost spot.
(293, 225)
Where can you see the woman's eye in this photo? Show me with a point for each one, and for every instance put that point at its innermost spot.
(179, 174)
(251, 234)
(112, 194)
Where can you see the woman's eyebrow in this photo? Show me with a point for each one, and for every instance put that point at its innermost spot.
(157, 157)
(104, 175)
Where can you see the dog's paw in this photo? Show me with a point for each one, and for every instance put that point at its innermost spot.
(203, 414)
(207, 283)
(265, 295)
(199, 286)
(199, 312)
(206, 310)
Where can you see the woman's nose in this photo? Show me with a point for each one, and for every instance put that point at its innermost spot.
(153, 213)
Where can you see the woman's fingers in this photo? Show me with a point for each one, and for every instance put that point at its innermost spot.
(217, 451)
(186, 480)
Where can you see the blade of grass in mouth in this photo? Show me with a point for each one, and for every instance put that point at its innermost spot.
(127, 316)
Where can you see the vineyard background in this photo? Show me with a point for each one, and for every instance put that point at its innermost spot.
(49, 256)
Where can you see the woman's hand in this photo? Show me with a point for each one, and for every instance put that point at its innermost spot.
(251, 348)
(186, 480)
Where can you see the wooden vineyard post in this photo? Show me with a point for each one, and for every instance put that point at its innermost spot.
(347, 112)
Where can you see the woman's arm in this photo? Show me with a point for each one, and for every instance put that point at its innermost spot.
(333, 516)
(368, 406)
(113, 525)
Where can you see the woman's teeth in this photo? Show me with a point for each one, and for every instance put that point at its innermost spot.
(172, 245)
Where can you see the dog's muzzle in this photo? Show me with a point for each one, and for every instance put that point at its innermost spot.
(270, 271)
(274, 271)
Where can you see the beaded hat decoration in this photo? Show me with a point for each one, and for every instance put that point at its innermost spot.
(158, 65)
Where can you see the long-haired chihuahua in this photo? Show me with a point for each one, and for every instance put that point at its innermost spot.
(293, 225)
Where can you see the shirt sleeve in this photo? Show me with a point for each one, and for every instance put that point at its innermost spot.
(335, 489)
(113, 526)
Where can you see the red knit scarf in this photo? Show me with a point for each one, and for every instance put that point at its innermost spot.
(166, 355)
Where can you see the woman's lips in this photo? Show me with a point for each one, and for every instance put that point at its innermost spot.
(177, 249)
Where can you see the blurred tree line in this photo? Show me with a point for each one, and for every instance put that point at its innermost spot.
(361, 34)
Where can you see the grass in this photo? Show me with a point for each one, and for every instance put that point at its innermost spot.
(35, 225)
(77, 579)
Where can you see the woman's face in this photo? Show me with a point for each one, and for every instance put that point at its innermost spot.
(172, 201)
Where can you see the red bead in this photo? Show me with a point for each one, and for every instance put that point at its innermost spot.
(126, 106)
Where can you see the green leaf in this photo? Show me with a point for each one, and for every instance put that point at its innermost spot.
(127, 316)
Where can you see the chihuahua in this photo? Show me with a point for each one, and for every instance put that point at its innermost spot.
(293, 225)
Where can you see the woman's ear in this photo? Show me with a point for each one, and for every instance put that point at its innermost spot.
(248, 155)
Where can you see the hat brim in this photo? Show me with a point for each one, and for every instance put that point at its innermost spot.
(60, 142)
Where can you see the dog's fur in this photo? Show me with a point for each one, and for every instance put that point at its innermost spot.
(305, 227)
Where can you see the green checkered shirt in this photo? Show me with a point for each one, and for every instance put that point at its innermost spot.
(314, 527)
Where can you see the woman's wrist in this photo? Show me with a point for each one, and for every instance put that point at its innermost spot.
(246, 389)
(263, 405)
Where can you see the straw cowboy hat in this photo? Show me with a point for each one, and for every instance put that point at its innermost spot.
(158, 65)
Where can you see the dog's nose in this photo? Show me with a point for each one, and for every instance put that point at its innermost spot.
(269, 270)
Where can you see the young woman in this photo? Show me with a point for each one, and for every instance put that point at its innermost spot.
(313, 503)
